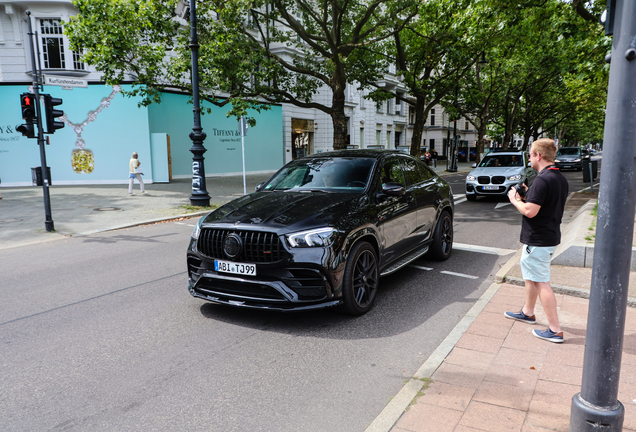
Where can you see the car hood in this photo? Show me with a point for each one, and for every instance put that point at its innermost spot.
(568, 157)
(281, 209)
(493, 171)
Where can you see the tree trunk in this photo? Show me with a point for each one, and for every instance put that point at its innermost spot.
(338, 118)
(418, 127)
(481, 132)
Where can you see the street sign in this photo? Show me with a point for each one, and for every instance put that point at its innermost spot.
(65, 81)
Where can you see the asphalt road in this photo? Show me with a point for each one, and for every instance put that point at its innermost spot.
(99, 333)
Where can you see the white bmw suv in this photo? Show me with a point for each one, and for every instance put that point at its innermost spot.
(497, 172)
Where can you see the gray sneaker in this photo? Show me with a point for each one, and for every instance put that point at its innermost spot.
(520, 316)
(549, 335)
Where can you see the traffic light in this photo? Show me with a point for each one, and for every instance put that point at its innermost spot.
(52, 114)
(27, 101)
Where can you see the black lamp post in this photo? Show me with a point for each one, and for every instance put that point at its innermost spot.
(200, 196)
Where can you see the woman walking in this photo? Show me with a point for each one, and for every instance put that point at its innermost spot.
(135, 172)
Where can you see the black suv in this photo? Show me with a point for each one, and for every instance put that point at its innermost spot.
(321, 232)
(571, 157)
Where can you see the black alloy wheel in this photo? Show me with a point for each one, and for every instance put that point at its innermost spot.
(361, 279)
(442, 238)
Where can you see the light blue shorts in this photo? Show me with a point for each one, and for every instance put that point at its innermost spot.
(535, 263)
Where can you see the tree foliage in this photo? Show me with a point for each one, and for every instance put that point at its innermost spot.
(544, 65)
(257, 52)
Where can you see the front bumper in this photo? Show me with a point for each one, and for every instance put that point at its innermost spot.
(569, 165)
(475, 188)
(303, 280)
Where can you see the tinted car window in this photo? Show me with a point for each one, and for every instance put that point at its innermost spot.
(425, 171)
(323, 173)
(392, 172)
(568, 152)
(501, 161)
(411, 172)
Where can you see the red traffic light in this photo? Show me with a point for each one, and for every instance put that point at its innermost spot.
(27, 100)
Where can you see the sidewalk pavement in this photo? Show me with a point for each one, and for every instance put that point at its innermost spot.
(490, 374)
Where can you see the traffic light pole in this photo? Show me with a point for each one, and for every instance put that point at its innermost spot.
(200, 196)
(48, 221)
(596, 407)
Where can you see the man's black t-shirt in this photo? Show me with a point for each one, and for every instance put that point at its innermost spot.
(549, 190)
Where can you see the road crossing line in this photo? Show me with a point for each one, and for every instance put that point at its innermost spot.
(420, 267)
(483, 249)
(459, 274)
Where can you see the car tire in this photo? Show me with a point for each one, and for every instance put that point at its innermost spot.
(442, 245)
(361, 279)
(471, 197)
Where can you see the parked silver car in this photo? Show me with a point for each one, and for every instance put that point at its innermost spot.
(497, 173)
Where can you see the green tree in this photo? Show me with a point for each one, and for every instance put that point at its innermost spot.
(433, 52)
(257, 52)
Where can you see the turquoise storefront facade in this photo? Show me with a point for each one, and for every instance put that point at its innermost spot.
(103, 128)
(264, 150)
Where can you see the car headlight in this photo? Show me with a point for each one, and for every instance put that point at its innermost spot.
(197, 229)
(471, 178)
(312, 238)
(515, 177)
(577, 160)
(557, 160)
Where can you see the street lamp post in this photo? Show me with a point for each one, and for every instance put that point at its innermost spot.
(200, 196)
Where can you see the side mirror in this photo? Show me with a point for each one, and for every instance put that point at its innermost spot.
(393, 189)
(474, 165)
(258, 186)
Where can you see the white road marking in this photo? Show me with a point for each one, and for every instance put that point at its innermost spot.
(181, 223)
(499, 205)
(420, 267)
(461, 200)
(459, 274)
(483, 249)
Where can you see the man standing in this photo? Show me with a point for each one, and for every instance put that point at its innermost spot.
(542, 211)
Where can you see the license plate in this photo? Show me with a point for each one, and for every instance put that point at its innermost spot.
(235, 268)
(491, 187)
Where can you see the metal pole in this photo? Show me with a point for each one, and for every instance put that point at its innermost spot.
(448, 145)
(453, 155)
(200, 196)
(596, 407)
(243, 150)
(46, 181)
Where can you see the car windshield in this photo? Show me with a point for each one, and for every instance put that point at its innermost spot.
(346, 174)
(502, 161)
(568, 152)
